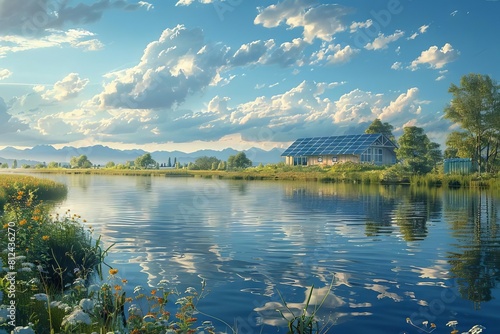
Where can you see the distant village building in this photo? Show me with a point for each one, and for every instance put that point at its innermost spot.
(364, 148)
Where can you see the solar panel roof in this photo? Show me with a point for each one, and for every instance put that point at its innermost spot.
(335, 145)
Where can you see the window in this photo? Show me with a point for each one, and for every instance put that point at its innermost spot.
(300, 161)
(334, 158)
(378, 155)
(320, 159)
(367, 155)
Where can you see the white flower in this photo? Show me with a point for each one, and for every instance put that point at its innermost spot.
(476, 329)
(182, 301)
(25, 269)
(23, 330)
(138, 289)
(134, 310)
(452, 323)
(190, 290)
(27, 264)
(86, 304)
(77, 317)
(20, 258)
(40, 297)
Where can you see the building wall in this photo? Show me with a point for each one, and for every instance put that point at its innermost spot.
(388, 158)
(327, 160)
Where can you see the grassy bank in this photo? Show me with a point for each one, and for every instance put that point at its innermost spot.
(45, 189)
(345, 172)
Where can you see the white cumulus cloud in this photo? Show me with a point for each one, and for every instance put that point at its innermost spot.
(381, 41)
(4, 73)
(67, 88)
(175, 66)
(436, 57)
(318, 21)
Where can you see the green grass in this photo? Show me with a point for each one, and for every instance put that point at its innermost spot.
(44, 189)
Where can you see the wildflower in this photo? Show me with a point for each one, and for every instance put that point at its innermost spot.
(76, 317)
(40, 297)
(6, 225)
(86, 304)
(124, 281)
(45, 238)
(153, 292)
(23, 222)
(452, 323)
(134, 310)
(138, 289)
(118, 287)
(191, 290)
(476, 329)
(113, 271)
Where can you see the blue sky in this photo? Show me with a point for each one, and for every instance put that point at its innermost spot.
(193, 74)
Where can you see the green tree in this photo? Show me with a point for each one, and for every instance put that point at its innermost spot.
(475, 106)
(145, 161)
(239, 160)
(416, 151)
(110, 164)
(205, 163)
(169, 163)
(80, 162)
(14, 164)
(384, 128)
(53, 164)
(459, 144)
(222, 165)
(4, 165)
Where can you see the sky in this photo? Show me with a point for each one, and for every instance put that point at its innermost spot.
(213, 74)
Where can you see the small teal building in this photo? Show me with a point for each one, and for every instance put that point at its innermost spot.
(461, 166)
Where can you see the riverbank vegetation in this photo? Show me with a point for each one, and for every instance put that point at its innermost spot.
(45, 189)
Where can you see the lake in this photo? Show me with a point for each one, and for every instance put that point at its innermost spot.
(392, 252)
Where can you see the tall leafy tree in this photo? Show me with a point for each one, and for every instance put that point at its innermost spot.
(239, 160)
(145, 161)
(384, 128)
(14, 164)
(205, 163)
(80, 162)
(475, 106)
(416, 151)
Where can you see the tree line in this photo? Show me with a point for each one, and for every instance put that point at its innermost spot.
(146, 161)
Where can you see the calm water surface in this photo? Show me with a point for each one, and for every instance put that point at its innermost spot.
(392, 252)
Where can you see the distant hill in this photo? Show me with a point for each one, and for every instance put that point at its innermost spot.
(100, 155)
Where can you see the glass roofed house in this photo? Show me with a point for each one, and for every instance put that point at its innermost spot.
(369, 148)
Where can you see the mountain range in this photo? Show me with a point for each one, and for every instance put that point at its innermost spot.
(100, 155)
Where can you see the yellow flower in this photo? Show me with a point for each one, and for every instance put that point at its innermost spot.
(45, 238)
(6, 225)
(22, 222)
(113, 271)
(117, 287)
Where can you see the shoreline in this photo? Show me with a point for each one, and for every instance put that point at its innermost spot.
(374, 176)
